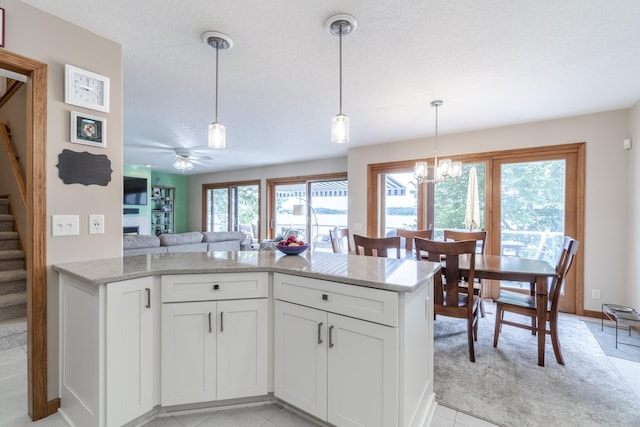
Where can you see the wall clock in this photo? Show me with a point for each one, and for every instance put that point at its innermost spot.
(86, 89)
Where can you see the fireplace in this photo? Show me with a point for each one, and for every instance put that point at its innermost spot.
(130, 230)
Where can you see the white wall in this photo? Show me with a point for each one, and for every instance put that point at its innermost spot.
(42, 37)
(633, 295)
(607, 188)
(285, 170)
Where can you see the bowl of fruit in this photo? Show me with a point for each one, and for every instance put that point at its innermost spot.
(292, 246)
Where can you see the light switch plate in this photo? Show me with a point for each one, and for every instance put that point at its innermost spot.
(65, 225)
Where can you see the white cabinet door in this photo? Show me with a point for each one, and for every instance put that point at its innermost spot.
(242, 358)
(300, 371)
(363, 373)
(188, 353)
(129, 350)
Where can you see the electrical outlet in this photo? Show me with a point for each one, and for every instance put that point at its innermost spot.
(65, 225)
(96, 224)
(595, 293)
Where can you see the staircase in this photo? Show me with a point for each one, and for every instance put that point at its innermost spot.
(13, 283)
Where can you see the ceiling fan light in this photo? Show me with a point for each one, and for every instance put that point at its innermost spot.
(182, 164)
(340, 129)
(217, 138)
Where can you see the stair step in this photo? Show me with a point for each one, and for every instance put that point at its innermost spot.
(6, 222)
(12, 275)
(13, 306)
(4, 206)
(8, 240)
(11, 254)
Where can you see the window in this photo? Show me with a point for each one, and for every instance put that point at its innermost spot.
(308, 207)
(529, 199)
(232, 207)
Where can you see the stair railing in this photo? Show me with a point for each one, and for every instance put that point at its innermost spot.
(13, 160)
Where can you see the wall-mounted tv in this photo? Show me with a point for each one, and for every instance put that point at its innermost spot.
(134, 191)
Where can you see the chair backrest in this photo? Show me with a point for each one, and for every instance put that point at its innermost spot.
(376, 246)
(478, 236)
(569, 250)
(450, 253)
(408, 236)
(338, 237)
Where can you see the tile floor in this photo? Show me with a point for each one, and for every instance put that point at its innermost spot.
(13, 403)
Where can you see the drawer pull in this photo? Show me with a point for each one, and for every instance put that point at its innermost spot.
(216, 287)
(331, 336)
(320, 333)
(148, 291)
(221, 321)
(325, 297)
(210, 328)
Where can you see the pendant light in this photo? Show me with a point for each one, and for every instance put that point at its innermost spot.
(444, 168)
(217, 41)
(340, 25)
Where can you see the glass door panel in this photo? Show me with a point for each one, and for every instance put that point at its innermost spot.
(532, 210)
(450, 200)
(290, 211)
(218, 209)
(400, 201)
(329, 204)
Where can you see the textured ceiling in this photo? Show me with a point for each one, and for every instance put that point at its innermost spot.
(493, 63)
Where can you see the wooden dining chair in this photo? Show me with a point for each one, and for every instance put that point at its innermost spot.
(448, 297)
(338, 237)
(480, 237)
(525, 305)
(376, 246)
(408, 236)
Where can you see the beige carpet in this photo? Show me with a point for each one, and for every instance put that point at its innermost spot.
(507, 387)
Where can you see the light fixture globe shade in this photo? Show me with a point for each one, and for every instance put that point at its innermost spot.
(340, 129)
(420, 171)
(217, 138)
(456, 170)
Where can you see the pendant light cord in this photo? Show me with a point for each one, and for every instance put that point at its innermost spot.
(340, 62)
(217, 51)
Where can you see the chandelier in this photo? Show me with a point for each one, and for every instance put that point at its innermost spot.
(217, 137)
(443, 168)
(340, 25)
(182, 163)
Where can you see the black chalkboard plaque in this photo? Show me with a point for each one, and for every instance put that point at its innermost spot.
(84, 168)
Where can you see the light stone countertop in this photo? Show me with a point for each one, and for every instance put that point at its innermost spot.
(381, 273)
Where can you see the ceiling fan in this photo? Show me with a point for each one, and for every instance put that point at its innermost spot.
(185, 159)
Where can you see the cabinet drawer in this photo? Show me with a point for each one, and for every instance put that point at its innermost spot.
(375, 305)
(204, 287)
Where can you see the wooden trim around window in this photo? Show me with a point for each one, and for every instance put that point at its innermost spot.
(217, 185)
(302, 179)
(575, 153)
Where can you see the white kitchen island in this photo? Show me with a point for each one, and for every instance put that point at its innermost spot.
(346, 339)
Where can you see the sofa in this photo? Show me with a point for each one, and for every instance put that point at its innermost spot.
(193, 241)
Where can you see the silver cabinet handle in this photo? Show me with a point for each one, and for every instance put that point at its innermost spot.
(331, 336)
(320, 333)
(221, 321)
(210, 328)
(148, 291)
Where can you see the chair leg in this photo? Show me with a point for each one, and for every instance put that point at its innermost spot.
(533, 326)
(496, 331)
(472, 354)
(553, 326)
(481, 306)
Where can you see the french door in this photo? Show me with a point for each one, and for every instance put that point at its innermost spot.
(232, 207)
(529, 200)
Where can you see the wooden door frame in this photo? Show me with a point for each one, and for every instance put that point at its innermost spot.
(36, 230)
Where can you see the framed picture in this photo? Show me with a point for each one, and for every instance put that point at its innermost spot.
(86, 89)
(88, 130)
(1, 27)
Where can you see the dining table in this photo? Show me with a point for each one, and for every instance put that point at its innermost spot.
(514, 269)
